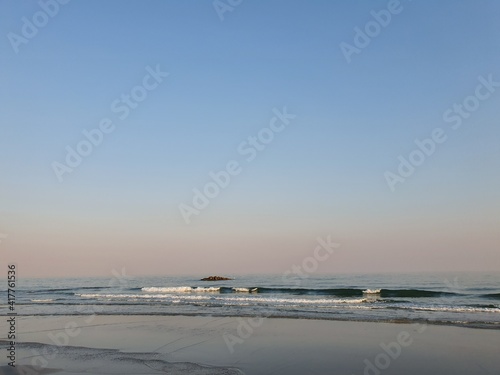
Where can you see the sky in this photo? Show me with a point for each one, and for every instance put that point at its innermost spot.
(373, 123)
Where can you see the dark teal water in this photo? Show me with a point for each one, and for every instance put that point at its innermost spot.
(457, 299)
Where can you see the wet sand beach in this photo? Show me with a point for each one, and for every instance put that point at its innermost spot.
(227, 345)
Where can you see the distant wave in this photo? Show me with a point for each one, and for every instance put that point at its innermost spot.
(339, 292)
(413, 293)
(485, 306)
(492, 296)
(351, 292)
(66, 290)
(333, 298)
(222, 299)
(335, 292)
(128, 296)
(251, 299)
(343, 292)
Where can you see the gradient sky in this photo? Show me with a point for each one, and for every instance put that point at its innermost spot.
(323, 175)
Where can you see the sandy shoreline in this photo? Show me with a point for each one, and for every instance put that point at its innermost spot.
(179, 344)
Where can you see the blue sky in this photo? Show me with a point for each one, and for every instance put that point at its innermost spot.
(323, 175)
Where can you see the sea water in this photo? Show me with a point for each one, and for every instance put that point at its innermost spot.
(453, 299)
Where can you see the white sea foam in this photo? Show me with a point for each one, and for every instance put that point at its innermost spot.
(290, 301)
(122, 296)
(245, 290)
(260, 300)
(254, 299)
(456, 309)
(180, 289)
(371, 291)
(210, 290)
(42, 300)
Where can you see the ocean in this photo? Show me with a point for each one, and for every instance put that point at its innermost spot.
(453, 299)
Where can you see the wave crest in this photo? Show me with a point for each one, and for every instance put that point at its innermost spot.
(181, 289)
(372, 291)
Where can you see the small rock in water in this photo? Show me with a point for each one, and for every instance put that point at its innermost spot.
(215, 278)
